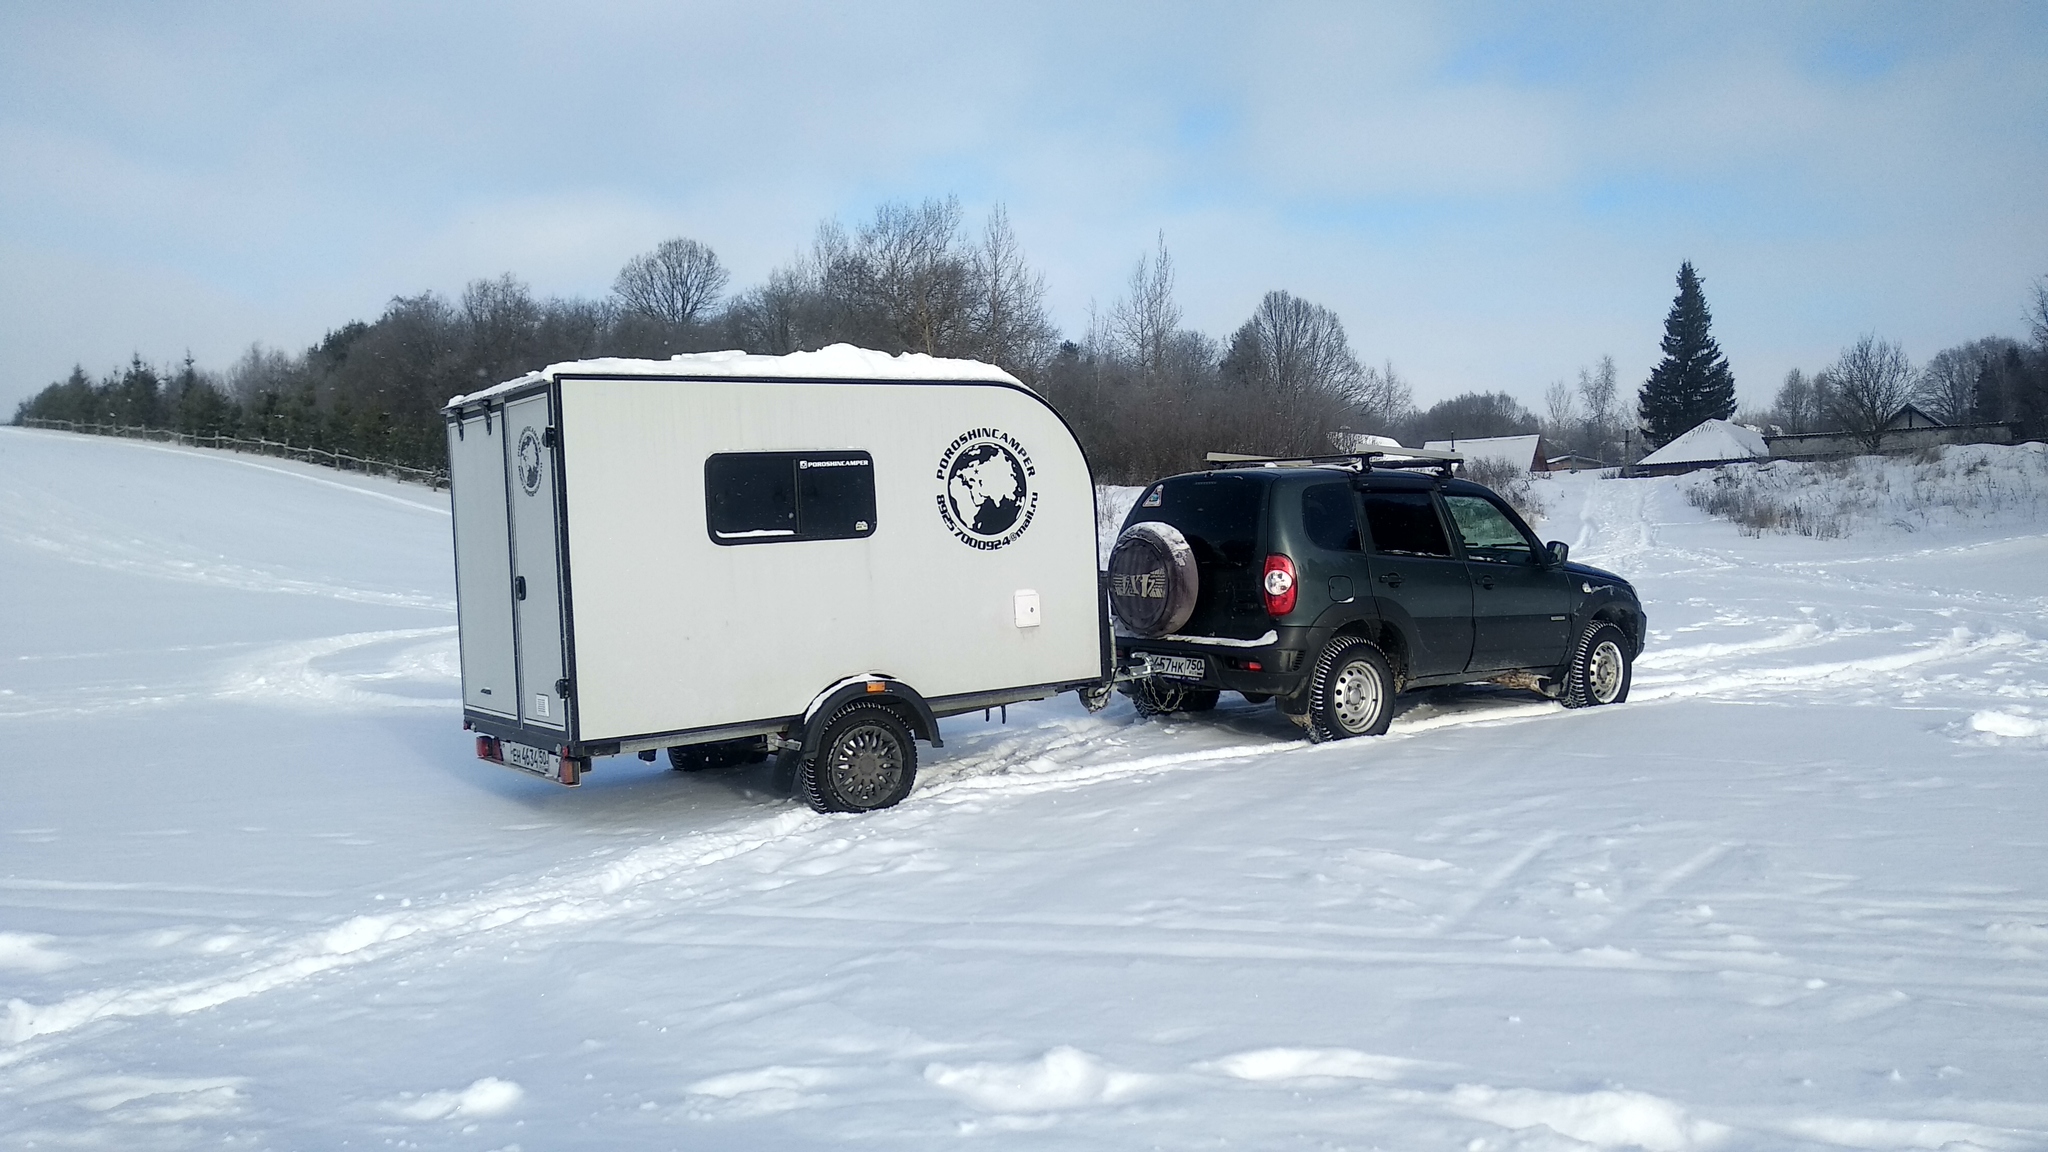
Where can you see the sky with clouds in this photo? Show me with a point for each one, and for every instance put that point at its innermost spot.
(1490, 196)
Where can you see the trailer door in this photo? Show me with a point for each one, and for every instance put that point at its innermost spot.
(483, 565)
(536, 573)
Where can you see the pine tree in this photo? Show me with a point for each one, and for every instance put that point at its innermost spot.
(1692, 383)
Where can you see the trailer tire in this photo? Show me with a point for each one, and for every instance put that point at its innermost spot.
(1153, 581)
(866, 760)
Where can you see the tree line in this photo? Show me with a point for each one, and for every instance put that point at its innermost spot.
(1146, 394)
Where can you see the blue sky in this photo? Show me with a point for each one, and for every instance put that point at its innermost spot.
(1491, 196)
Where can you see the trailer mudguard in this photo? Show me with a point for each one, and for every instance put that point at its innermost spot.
(879, 688)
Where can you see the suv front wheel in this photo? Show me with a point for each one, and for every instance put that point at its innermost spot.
(1351, 692)
(1600, 668)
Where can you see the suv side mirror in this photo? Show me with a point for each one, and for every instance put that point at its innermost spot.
(1559, 551)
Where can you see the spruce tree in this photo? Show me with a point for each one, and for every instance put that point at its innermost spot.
(1692, 383)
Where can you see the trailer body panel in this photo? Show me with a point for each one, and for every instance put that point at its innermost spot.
(483, 567)
(750, 629)
(673, 557)
(530, 443)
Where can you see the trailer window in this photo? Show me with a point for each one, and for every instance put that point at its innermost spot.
(770, 497)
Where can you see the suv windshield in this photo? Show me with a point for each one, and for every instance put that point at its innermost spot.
(1219, 515)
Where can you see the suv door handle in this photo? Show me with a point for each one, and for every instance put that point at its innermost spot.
(1486, 582)
(1391, 579)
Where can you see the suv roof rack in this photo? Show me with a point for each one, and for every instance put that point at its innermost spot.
(1356, 461)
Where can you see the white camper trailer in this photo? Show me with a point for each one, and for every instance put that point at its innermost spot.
(819, 554)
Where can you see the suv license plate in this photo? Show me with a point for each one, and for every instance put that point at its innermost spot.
(535, 760)
(1179, 667)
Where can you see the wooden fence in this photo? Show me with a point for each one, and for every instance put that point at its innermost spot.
(432, 477)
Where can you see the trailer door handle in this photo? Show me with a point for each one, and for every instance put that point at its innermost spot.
(519, 587)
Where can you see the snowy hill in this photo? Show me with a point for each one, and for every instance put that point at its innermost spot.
(258, 892)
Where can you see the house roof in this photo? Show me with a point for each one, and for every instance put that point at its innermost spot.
(1903, 418)
(1518, 451)
(1710, 440)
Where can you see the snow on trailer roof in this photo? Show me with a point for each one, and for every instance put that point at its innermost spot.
(837, 362)
(1709, 440)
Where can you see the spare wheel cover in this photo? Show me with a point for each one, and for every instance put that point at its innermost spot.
(1152, 579)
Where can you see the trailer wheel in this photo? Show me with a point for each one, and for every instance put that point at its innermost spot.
(866, 760)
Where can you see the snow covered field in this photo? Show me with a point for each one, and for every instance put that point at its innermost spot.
(256, 892)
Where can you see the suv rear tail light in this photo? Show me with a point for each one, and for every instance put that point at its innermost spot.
(1278, 585)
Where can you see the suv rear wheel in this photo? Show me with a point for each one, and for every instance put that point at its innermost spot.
(1351, 692)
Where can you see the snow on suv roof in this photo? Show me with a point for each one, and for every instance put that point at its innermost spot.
(837, 362)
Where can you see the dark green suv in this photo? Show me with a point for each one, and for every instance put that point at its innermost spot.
(1331, 585)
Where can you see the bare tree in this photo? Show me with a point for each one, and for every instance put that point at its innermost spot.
(1143, 323)
(1384, 398)
(1948, 385)
(1561, 405)
(1600, 392)
(1293, 347)
(673, 284)
(2037, 313)
(1871, 381)
(261, 370)
(1007, 313)
(909, 270)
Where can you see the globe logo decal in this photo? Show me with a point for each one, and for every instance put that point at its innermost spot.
(988, 493)
(528, 466)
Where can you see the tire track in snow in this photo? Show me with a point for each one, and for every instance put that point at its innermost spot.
(1017, 769)
(603, 892)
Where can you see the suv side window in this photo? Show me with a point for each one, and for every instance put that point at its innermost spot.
(1487, 532)
(1405, 522)
(1330, 517)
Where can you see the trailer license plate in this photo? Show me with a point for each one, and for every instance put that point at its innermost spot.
(1180, 667)
(534, 760)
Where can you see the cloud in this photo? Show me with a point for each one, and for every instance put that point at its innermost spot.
(1490, 196)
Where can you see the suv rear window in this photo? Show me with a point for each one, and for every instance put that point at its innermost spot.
(1219, 515)
(1405, 522)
